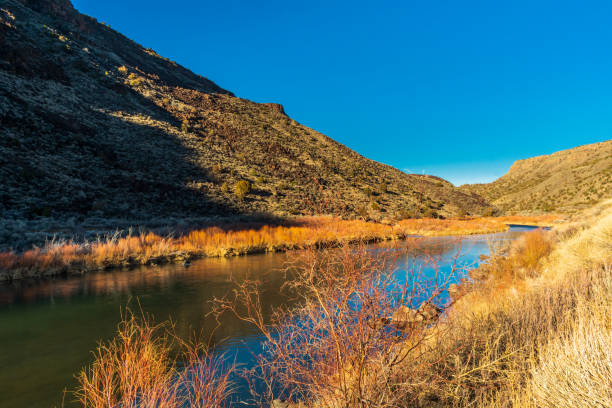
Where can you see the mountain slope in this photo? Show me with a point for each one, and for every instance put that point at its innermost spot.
(563, 181)
(96, 127)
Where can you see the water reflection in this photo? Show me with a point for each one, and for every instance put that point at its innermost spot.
(48, 328)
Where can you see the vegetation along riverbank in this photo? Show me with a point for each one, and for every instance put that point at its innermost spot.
(147, 248)
(532, 328)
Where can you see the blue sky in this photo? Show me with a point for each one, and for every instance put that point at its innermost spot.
(459, 89)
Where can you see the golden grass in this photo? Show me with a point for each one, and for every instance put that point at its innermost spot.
(147, 248)
(536, 331)
(146, 365)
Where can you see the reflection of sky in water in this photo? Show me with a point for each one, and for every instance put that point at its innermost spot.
(48, 328)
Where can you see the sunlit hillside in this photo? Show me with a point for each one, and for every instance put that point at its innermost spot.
(564, 181)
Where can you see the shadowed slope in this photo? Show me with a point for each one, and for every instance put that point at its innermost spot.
(97, 129)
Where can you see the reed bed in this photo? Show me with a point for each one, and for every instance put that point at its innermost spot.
(148, 248)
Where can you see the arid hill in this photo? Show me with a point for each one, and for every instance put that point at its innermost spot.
(563, 181)
(97, 129)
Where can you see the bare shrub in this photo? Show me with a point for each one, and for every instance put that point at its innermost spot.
(359, 324)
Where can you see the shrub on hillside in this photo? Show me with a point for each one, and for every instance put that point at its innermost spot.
(430, 213)
(362, 211)
(490, 212)
(405, 214)
(242, 188)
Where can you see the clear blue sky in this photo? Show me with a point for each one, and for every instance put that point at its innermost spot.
(458, 89)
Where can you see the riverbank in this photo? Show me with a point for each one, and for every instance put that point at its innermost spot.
(532, 328)
(147, 248)
(535, 327)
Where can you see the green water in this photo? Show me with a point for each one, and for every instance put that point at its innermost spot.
(49, 328)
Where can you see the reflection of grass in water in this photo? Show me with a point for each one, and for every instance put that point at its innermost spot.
(149, 248)
(86, 309)
(50, 338)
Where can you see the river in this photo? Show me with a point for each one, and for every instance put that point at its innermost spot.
(48, 328)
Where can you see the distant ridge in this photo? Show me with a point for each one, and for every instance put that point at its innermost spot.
(563, 181)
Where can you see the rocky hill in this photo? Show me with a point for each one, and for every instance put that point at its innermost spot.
(563, 181)
(97, 129)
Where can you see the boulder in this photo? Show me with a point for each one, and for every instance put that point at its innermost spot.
(429, 312)
(404, 317)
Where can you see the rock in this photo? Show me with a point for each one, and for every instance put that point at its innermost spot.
(481, 273)
(379, 323)
(430, 312)
(279, 404)
(404, 317)
(277, 107)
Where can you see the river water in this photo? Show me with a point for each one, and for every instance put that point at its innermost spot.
(48, 328)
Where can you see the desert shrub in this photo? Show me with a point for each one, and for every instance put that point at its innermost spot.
(242, 188)
(405, 214)
(368, 191)
(122, 70)
(531, 249)
(429, 213)
(185, 126)
(461, 213)
(523, 259)
(375, 206)
(135, 80)
(490, 212)
(362, 211)
(224, 188)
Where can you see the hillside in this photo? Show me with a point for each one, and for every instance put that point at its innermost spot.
(563, 181)
(97, 129)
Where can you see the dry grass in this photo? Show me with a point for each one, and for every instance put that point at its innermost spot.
(536, 339)
(575, 368)
(147, 248)
(141, 367)
(534, 330)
